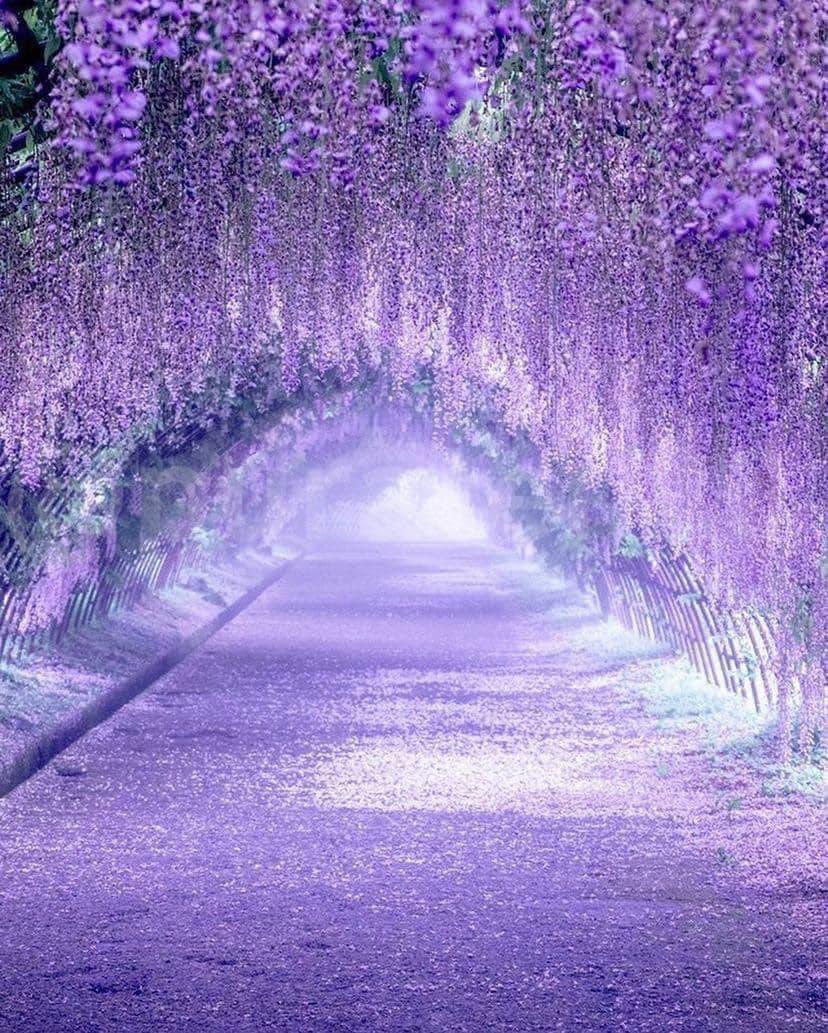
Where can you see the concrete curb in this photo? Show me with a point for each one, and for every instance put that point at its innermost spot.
(47, 743)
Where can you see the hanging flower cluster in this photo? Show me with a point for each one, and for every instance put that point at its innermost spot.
(599, 224)
(314, 77)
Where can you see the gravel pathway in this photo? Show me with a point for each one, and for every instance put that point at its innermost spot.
(408, 789)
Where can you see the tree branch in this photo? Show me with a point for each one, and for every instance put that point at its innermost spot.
(29, 53)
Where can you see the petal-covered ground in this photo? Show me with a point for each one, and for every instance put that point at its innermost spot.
(414, 788)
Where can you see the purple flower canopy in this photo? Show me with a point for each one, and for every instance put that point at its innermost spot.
(603, 222)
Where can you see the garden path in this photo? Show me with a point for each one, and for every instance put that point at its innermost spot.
(412, 788)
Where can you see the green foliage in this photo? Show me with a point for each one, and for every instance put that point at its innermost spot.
(21, 132)
(569, 523)
(802, 620)
(632, 547)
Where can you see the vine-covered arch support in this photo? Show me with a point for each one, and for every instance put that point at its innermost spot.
(136, 524)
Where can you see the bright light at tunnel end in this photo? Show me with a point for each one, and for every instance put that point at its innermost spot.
(420, 504)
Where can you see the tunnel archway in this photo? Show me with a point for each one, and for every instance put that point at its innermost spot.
(140, 522)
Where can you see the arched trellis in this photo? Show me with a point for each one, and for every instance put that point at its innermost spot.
(202, 454)
(122, 576)
(657, 595)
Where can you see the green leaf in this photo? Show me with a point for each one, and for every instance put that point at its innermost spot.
(52, 46)
(632, 547)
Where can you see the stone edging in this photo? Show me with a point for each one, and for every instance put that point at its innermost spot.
(51, 741)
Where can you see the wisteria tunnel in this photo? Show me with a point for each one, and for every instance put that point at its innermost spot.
(413, 481)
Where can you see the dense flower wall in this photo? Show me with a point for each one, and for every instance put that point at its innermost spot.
(601, 225)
